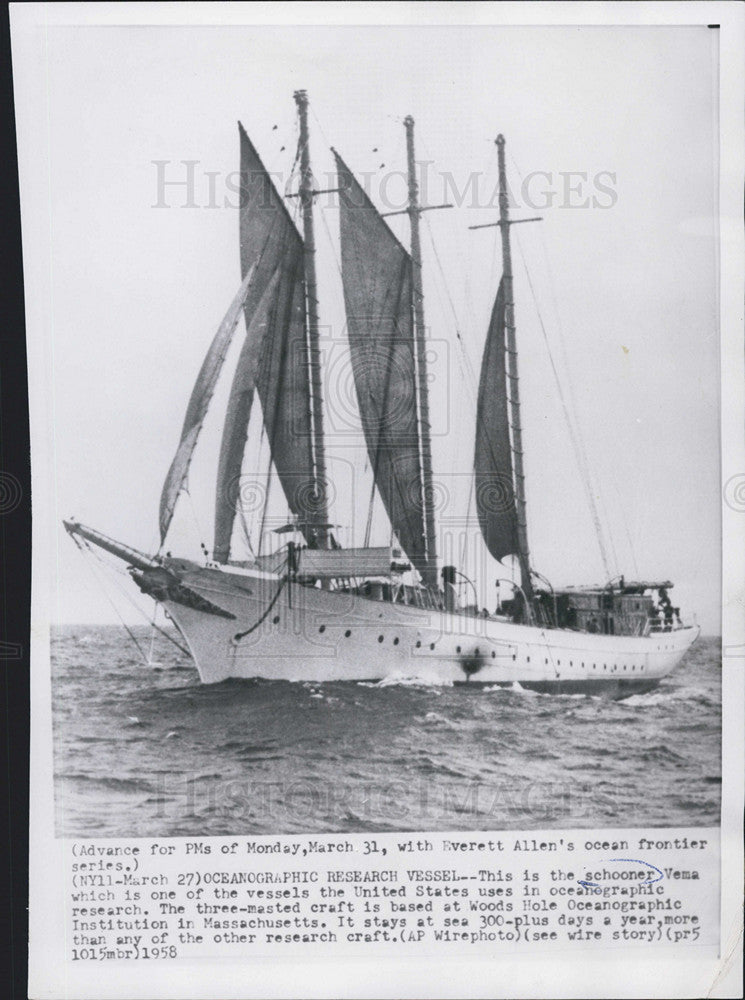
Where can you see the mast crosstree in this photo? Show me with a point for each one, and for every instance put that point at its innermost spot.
(414, 211)
(507, 304)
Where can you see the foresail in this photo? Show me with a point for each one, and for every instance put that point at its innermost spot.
(377, 280)
(274, 359)
(494, 482)
(235, 428)
(202, 393)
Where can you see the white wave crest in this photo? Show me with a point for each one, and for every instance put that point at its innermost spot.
(440, 720)
(412, 680)
(659, 697)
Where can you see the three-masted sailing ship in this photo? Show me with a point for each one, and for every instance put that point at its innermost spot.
(313, 610)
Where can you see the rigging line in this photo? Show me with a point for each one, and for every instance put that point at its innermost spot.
(293, 168)
(170, 638)
(196, 520)
(458, 198)
(581, 455)
(242, 635)
(247, 524)
(318, 123)
(443, 284)
(629, 538)
(581, 458)
(115, 569)
(266, 501)
(244, 526)
(250, 529)
(327, 230)
(467, 367)
(469, 299)
(611, 540)
(370, 508)
(469, 506)
(467, 372)
(126, 595)
(152, 633)
(105, 592)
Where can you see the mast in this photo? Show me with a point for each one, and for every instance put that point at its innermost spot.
(414, 211)
(307, 194)
(513, 380)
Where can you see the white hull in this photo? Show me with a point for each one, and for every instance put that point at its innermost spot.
(297, 633)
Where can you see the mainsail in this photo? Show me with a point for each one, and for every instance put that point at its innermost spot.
(494, 482)
(377, 280)
(274, 358)
(202, 393)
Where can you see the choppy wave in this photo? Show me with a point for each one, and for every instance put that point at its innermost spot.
(435, 718)
(151, 752)
(412, 680)
(108, 782)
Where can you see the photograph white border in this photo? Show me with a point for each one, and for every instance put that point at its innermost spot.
(605, 973)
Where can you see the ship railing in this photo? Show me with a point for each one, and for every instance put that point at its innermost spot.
(656, 627)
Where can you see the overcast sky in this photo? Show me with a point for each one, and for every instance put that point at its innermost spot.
(612, 138)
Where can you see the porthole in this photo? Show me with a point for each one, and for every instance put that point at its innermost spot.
(347, 634)
(418, 643)
(528, 659)
(493, 655)
(322, 628)
(514, 656)
(275, 620)
(457, 649)
(395, 641)
(431, 645)
(380, 638)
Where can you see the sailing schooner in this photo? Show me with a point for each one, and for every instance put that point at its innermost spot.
(312, 610)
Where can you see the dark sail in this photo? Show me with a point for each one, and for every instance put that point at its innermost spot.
(235, 429)
(202, 393)
(274, 359)
(494, 482)
(377, 280)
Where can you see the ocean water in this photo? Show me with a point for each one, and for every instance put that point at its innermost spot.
(146, 750)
